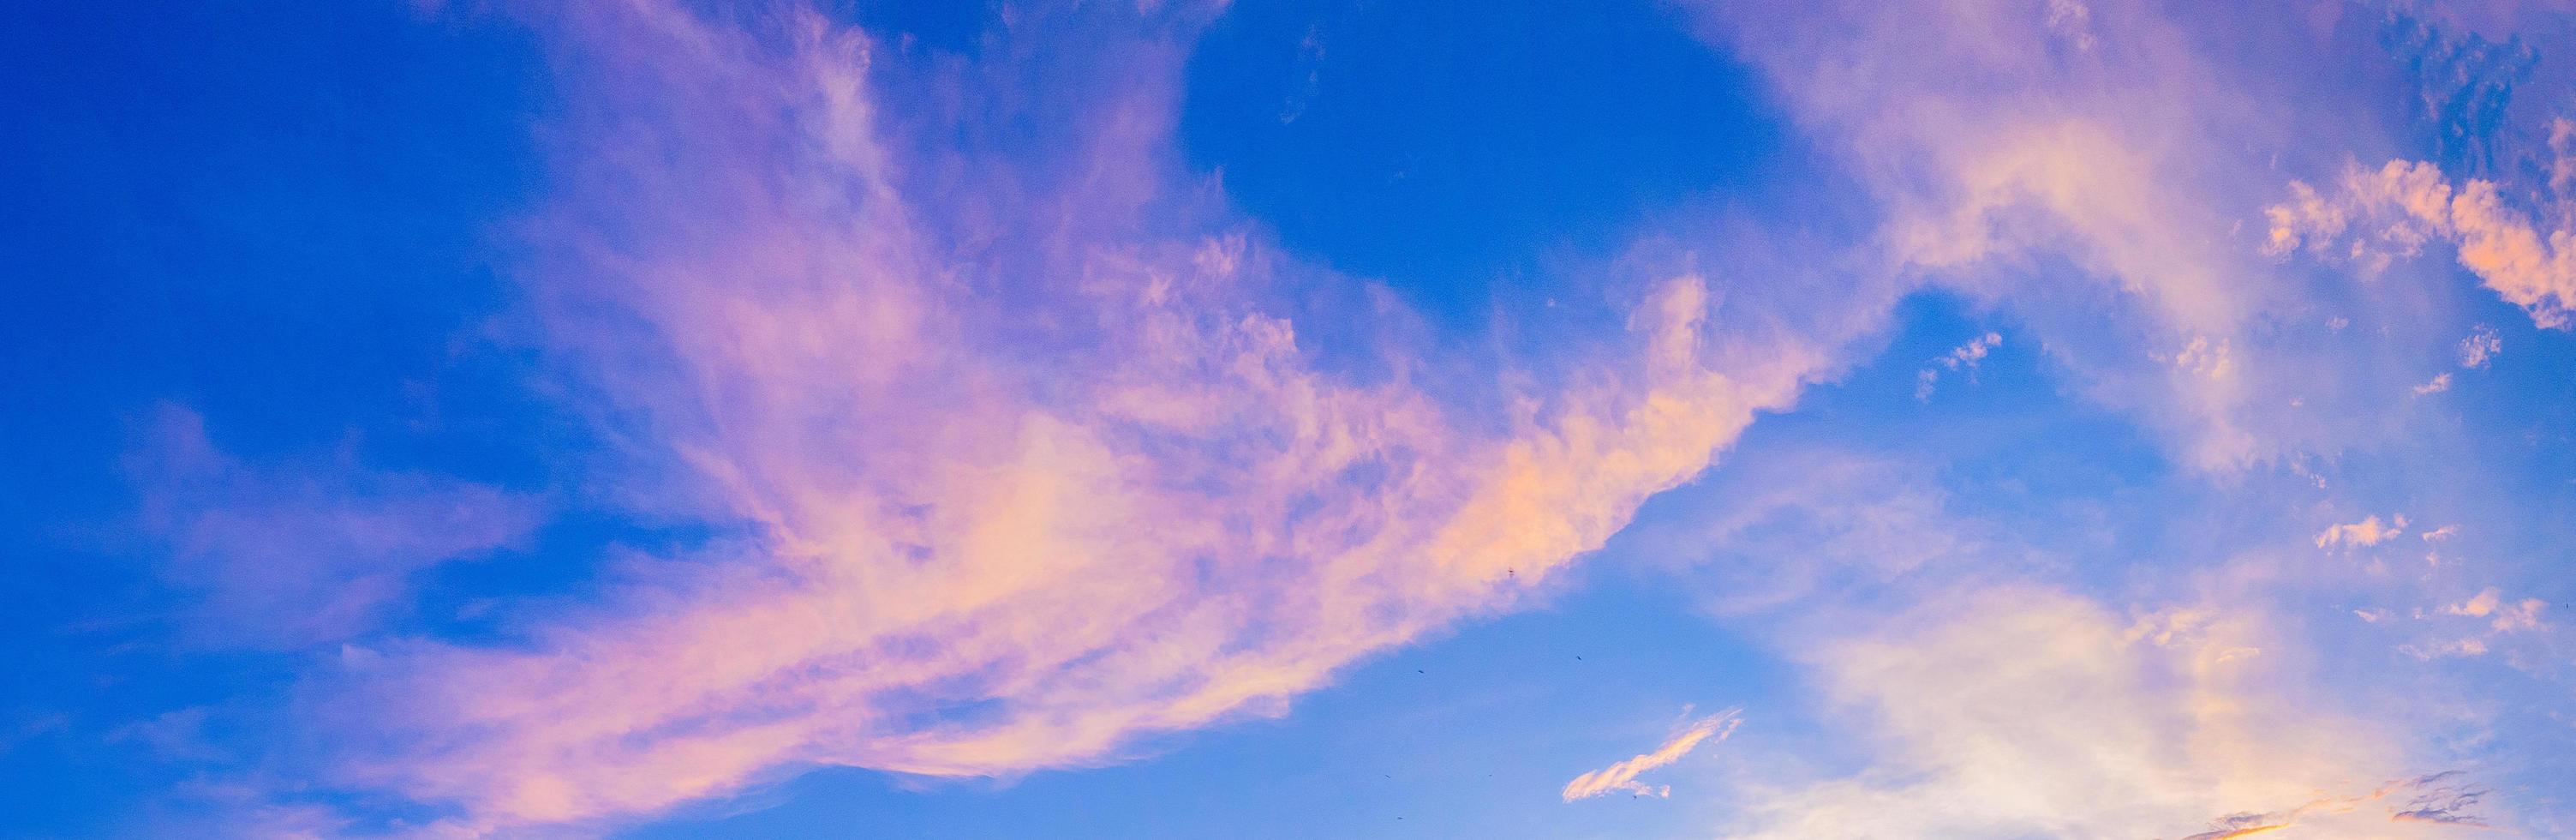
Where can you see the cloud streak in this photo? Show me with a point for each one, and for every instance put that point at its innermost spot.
(1622, 776)
(2433, 799)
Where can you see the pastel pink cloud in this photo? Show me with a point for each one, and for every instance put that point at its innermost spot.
(1622, 776)
(990, 521)
(308, 549)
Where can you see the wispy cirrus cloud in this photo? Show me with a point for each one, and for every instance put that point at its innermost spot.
(2017, 710)
(1022, 455)
(1020, 445)
(1999, 136)
(2442, 801)
(1622, 776)
(2422, 791)
(2106, 183)
(306, 550)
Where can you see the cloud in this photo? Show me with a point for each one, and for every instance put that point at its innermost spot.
(2500, 619)
(1014, 456)
(2018, 710)
(1622, 776)
(1963, 357)
(2421, 790)
(2367, 532)
(1785, 527)
(178, 735)
(2440, 383)
(2376, 215)
(1019, 445)
(2480, 347)
(2522, 615)
(309, 549)
(2456, 648)
(2439, 534)
(2087, 173)
(2441, 800)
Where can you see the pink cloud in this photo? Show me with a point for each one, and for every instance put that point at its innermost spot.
(1622, 776)
(1024, 460)
(2368, 532)
(306, 550)
(2381, 214)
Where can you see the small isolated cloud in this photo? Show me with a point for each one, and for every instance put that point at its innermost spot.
(2368, 532)
(2206, 359)
(2439, 384)
(1961, 358)
(1623, 775)
(2479, 606)
(2442, 533)
(2521, 615)
(2480, 347)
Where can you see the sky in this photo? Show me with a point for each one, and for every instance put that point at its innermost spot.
(1189, 418)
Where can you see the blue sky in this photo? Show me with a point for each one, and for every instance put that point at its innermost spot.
(1992, 418)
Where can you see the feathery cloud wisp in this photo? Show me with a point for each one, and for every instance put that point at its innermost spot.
(2022, 711)
(1622, 776)
(311, 550)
